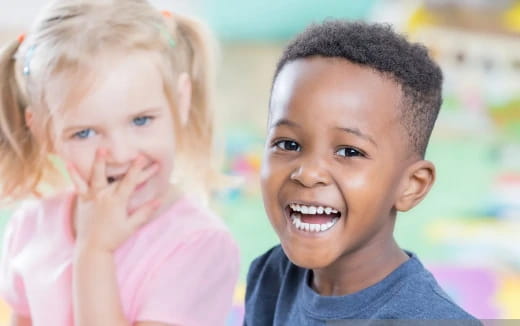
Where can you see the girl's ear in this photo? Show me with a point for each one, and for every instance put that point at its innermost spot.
(184, 89)
(415, 185)
(37, 131)
(33, 127)
(29, 117)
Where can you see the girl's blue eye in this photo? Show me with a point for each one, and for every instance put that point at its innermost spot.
(349, 152)
(84, 134)
(288, 145)
(141, 121)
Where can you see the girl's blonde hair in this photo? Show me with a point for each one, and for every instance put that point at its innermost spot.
(66, 37)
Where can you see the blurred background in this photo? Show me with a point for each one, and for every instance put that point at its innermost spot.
(467, 229)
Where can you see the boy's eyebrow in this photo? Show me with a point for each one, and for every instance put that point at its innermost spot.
(354, 131)
(358, 133)
(284, 122)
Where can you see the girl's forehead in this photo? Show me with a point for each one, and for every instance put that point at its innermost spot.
(133, 81)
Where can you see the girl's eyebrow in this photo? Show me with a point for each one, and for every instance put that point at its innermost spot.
(151, 110)
(76, 128)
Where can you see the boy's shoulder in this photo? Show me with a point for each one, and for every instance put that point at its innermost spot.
(410, 292)
(419, 296)
(271, 269)
(266, 283)
(273, 261)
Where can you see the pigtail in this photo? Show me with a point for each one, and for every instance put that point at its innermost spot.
(199, 141)
(19, 151)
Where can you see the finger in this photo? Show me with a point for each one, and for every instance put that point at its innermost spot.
(132, 177)
(142, 176)
(147, 173)
(98, 179)
(80, 185)
(143, 215)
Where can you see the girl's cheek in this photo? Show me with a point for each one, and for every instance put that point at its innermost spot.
(80, 157)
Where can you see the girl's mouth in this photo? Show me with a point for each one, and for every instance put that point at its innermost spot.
(113, 179)
(310, 218)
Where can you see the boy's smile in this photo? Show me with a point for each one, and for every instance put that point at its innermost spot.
(336, 157)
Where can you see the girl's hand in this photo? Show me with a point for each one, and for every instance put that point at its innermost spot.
(102, 219)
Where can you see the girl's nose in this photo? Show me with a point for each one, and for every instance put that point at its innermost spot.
(121, 151)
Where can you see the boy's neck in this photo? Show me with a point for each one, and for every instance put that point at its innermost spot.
(358, 270)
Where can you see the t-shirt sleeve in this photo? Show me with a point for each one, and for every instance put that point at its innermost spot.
(195, 284)
(12, 288)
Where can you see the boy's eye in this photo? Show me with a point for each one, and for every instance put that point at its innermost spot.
(141, 121)
(288, 145)
(84, 134)
(349, 152)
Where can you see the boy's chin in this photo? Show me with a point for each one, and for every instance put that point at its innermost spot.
(310, 259)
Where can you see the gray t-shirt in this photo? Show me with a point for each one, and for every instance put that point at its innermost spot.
(278, 293)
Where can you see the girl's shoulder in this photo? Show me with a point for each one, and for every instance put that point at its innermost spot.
(189, 215)
(33, 216)
(185, 222)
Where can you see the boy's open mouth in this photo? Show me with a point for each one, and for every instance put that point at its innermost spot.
(313, 218)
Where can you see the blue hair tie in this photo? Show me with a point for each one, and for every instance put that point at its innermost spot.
(27, 60)
(166, 34)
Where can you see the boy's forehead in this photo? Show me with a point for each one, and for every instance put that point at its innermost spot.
(316, 82)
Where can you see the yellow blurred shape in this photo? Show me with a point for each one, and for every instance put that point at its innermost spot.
(255, 161)
(512, 18)
(419, 18)
(509, 297)
(240, 293)
(4, 314)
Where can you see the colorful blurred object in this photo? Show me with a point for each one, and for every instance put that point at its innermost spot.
(467, 228)
(237, 20)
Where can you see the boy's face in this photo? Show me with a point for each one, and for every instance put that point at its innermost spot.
(335, 157)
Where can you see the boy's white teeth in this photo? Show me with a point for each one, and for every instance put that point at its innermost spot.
(312, 210)
(310, 227)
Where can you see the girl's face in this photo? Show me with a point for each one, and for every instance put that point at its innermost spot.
(126, 112)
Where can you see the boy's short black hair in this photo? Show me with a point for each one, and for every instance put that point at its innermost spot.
(377, 46)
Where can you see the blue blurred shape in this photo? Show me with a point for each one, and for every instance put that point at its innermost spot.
(239, 20)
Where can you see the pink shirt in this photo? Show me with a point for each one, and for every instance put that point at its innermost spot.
(180, 269)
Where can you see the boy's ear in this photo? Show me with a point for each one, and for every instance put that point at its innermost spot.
(184, 90)
(416, 183)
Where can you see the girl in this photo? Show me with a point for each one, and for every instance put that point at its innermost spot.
(122, 95)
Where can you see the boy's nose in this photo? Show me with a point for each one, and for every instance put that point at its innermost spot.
(310, 173)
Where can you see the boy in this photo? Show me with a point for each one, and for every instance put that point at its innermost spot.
(351, 112)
